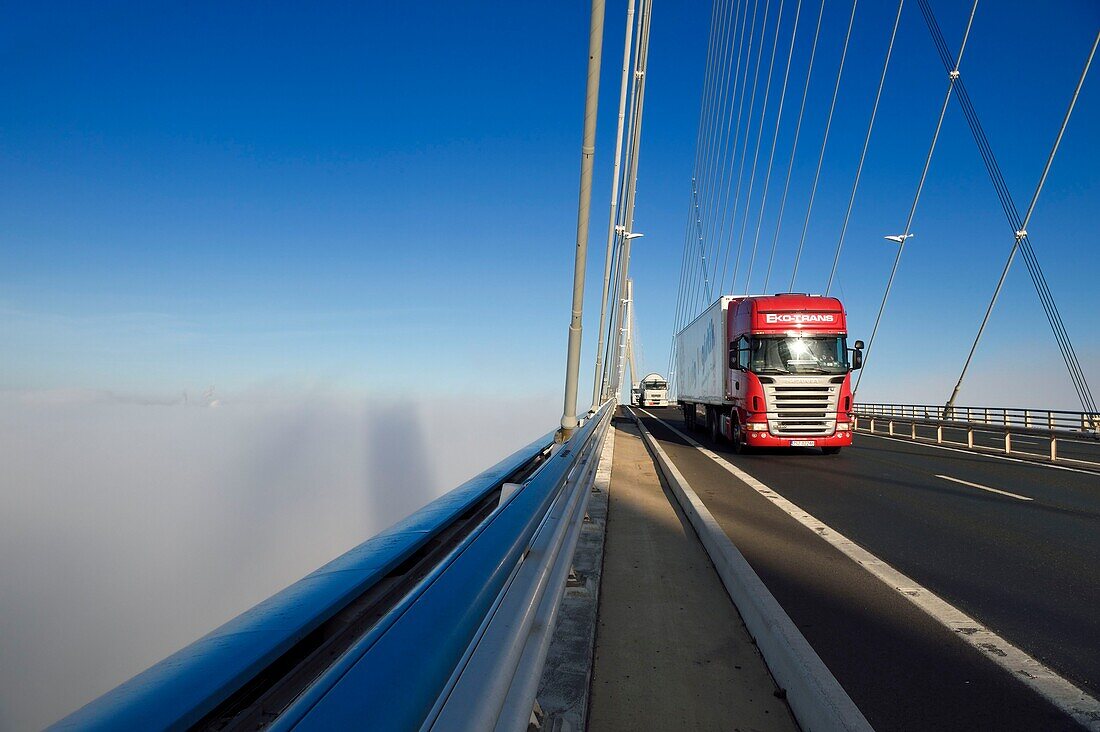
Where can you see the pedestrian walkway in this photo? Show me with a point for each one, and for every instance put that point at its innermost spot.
(671, 650)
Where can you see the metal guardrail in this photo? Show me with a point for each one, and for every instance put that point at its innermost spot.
(380, 637)
(1034, 434)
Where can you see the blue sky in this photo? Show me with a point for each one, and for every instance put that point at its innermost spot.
(381, 197)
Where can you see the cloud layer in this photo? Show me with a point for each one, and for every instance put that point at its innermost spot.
(129, 528)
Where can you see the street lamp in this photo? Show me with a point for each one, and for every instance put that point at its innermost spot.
(898, 239)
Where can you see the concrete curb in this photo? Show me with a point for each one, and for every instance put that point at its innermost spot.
(813, 693)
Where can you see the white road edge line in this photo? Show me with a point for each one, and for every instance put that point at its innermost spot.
(985, 487)
(816, 698)
(1061, 692)
(983, 454)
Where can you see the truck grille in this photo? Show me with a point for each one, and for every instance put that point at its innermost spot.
(805, 408)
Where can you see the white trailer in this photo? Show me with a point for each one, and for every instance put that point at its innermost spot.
(701, 357)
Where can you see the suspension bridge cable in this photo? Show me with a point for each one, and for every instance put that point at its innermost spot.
(745, 141)
(1046, 298)
(709, 122)
(759, 139)
(704, 102)
(1042, 288)
(1022, 232)
(824, 142)
(775, 139)
(699, 297)
(728, 154)
(701, 288)
(866, 144)
(719, 170)
(952, 77)
(794, 145)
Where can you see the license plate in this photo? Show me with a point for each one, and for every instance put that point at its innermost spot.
(802, 443)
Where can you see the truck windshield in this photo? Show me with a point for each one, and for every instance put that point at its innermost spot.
(808, 355)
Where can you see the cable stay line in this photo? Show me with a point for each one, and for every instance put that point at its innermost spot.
(866, 144)
(708, 122)
(729, 154)
(745, 140)
(700, 295)
(719, 170)
(1031, 261)
(734, 122)
(1087, 403)
(775, 140)
(794, 145)
(688, 228)
(759, 139)
(824, 142)
(1046, 298)
(953, 76)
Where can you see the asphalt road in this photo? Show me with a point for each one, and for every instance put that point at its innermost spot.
(1029, 570)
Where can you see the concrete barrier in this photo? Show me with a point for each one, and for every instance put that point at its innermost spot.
(815, 696)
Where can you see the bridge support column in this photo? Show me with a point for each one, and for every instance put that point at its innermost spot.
(588, 154)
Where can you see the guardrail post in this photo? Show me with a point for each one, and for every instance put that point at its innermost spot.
(970, 437)
(1053, 449)
(872, 425)
(913, 430)
(939, 434)
(1008, 442)
(1027, 418)
(891, 427)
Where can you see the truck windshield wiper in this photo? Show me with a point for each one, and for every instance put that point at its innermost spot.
(771, 370)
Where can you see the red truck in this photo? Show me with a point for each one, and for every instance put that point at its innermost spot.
(769, 371)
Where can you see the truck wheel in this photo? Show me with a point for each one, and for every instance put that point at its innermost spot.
(738, 440)
(714, 417)
(830, 450)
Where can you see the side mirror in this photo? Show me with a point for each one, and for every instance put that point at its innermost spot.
(858, 345)
(857, 356)
(733, 357)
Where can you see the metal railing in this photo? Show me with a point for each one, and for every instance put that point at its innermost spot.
(438, 621)
(1034, 434)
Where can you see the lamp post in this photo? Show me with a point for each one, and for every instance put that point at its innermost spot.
(898, 239)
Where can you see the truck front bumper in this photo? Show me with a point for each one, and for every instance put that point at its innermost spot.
(766, 439)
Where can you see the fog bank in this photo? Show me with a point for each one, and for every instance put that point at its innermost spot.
(129, 528)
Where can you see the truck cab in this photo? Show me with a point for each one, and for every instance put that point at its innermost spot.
(653, 391)
(789, 376)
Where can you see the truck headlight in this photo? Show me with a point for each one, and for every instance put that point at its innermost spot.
(758, 426)
(842, 426)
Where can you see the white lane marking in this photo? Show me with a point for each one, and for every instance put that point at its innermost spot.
(1047, 683)
(985, 487)
(992, 456)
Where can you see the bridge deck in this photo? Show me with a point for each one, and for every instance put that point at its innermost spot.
(671, 650)
(1023, 567)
